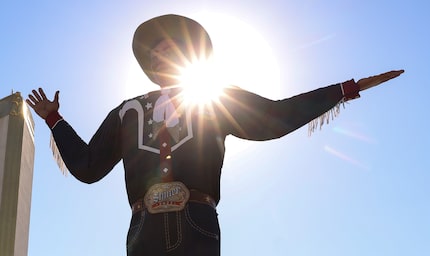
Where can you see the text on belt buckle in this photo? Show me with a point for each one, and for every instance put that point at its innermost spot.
(166, 197)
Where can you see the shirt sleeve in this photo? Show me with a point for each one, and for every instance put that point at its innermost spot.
(90, 162)
(250, 116)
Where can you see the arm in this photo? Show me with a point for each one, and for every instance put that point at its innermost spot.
(87, 162)
(250, 116)
(253, 117)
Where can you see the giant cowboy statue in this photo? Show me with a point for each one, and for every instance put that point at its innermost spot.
(173, 152)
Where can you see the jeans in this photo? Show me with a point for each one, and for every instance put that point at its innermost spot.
(194, 231)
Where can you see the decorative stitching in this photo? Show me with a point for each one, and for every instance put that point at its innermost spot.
(179, 233)
(139, 229)
(166, 230)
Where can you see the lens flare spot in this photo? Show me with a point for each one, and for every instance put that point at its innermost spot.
(344, 157)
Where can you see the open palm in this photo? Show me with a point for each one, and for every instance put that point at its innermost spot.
(41, 104)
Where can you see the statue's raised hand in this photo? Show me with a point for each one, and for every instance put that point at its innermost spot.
(41, 104)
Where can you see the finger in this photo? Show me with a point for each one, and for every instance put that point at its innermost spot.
(36, 94)
(398, 73)
(381, 78)
(56, 96)
(33, 100)
(31, 104)
(42, 93)
(393, 74)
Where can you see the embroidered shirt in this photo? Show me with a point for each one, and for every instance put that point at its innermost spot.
(129, 133)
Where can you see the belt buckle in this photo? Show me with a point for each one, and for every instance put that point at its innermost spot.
(166, 197)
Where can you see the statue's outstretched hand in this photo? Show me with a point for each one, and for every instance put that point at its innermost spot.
(372, 81)
(42, 105)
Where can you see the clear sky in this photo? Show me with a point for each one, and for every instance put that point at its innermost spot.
(357, 187)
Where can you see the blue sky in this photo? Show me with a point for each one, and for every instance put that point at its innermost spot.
(357, 187)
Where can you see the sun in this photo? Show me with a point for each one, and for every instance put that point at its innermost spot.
(241, 57)
(200, 82)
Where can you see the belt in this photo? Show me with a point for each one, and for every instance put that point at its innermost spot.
(195, 197)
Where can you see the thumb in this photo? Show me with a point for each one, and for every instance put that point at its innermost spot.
(56, 96)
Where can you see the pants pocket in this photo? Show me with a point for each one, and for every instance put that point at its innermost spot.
(203, 219)
(136, 224)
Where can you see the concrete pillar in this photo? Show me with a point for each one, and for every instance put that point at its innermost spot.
(16, 174)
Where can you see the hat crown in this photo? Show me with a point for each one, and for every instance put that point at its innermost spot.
(171, 26)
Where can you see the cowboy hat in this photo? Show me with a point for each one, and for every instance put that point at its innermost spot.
(195, 38)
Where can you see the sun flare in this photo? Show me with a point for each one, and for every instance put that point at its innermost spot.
(241, 57)
(200, 84)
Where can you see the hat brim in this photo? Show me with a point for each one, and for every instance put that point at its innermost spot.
(150, 33)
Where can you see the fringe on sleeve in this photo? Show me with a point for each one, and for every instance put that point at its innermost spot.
(57, 156)
(326, 117)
